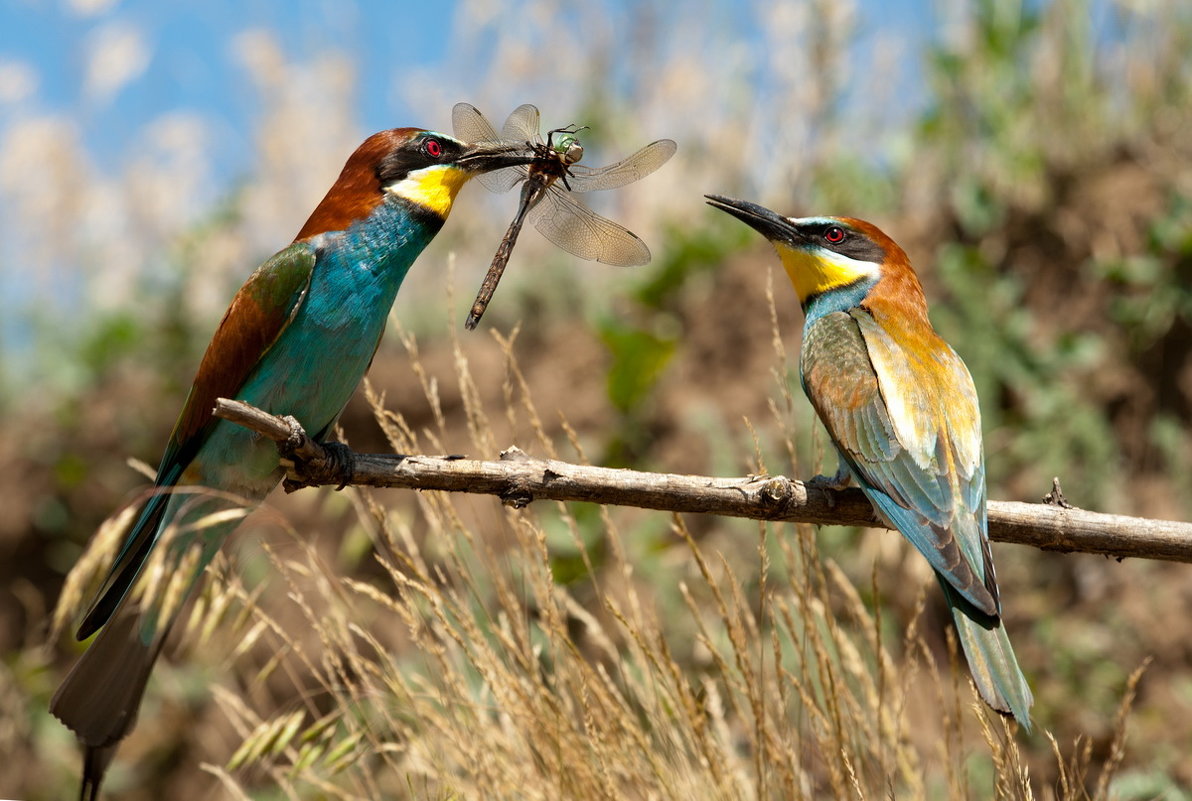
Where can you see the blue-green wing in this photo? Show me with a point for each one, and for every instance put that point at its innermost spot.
(258, 314)
(909, 429)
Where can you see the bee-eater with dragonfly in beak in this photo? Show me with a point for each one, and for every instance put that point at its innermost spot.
(297, 339)
(901, 409)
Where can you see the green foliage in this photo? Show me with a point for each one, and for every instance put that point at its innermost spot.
(1153, 288)
(1024, 149)
(842, 185)
(575, 542)
(1040, 420)
(640, 352)
(116, 338)
(685, 253)
(638, 359)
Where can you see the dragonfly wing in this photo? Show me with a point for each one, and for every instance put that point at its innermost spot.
(502, 180)
(471, 126)
(522, 124)
(625, 171)
(578, 230)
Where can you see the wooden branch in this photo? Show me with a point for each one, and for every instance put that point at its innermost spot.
(517, 479)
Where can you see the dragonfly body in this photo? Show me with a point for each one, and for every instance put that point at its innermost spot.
(547, 197)
(552, 162)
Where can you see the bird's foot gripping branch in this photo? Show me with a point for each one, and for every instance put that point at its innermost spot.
(519, 479)
(322, 463)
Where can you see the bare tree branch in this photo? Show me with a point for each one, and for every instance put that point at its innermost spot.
(517, 479)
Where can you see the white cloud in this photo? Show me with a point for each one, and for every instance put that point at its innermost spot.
(117, 54)
(90, 8)
(18, 81)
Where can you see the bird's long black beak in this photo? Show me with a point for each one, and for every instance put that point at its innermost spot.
(489, 156)
(769, 224)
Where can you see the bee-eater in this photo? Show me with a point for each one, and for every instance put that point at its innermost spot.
(901, 409)
(297, 339)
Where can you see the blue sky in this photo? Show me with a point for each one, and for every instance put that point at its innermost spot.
(180, 56)
(190, 64)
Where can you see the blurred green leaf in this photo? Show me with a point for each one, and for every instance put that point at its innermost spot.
(638, 359)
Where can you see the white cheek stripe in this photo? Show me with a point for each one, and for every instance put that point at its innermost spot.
(845, 264)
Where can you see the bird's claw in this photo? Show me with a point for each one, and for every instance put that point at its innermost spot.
(340, 463)
(831, 484)
(296, 438)
(842, 480)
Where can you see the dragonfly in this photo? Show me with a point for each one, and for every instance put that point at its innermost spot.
(547, 199)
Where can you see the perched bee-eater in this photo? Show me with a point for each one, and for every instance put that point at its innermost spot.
(297, 339)
(901, 409)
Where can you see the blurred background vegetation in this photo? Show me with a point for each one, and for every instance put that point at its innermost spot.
(1032, 158)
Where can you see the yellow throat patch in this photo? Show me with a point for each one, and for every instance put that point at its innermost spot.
(433, 188)
(819, 271)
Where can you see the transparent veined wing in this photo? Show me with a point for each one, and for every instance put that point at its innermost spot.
(470, 125)
(522, 125)
(577, 229)
(625, 171)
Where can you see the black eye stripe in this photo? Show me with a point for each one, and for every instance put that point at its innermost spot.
(820, 230)
(853, 243)
(414, 155)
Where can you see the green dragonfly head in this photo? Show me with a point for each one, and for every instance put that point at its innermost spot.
(567, 145)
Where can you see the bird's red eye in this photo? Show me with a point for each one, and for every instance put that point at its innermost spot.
(432, 148)
(834, 235)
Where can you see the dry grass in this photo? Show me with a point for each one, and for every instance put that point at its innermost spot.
(458, 665)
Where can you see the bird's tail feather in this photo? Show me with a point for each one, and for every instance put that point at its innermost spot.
(990, 658)
(100, 696)
(128, 565)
